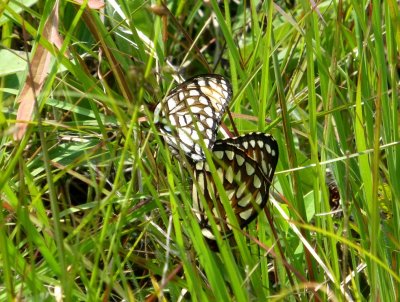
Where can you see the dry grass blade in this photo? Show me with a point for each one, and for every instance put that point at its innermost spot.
(38, 70)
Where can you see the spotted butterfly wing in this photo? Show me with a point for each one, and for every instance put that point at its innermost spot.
(191, 112)
(260, 147)
(245, 166)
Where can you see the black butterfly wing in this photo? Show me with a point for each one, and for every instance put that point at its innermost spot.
(241, 176)
(192, 112)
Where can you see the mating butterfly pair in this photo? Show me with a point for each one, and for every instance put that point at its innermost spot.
(189, 119)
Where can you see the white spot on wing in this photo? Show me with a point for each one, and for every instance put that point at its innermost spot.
(239, 160)
(195, 136)
(230, 154)
(256, 182)
(209, 132)
(207, 233)
(184, 120)
(171, 104)
(238, 176)
(209, 111)
(240, 190)
(264, 167)
(249, 169)
(230, 193)
(184, 137)
(206, 90)
(197, 157)
(200, 166)
(172, 121)
(245, 215)
(190, 101)
(245, 200)
(194, 92)
(210, 122)
(195, 109)
(201, 127)
(203, 100)
(259, 198)
(213, 85)
(229, 174)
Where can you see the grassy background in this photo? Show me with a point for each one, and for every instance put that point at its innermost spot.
(93, 207)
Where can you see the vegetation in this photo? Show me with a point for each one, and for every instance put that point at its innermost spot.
(94, 207)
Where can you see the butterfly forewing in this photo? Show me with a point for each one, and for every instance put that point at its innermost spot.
(244, 182)
(191, 112)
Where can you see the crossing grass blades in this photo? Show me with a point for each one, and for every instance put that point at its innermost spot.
(244, 165)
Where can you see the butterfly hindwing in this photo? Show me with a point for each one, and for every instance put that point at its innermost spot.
(191, 112)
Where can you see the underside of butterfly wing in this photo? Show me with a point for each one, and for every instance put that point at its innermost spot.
(244, 183)
(192, 112)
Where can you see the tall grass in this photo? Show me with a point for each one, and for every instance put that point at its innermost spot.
(94, 206)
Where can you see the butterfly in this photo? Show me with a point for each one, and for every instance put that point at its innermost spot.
(192, 112)
(245, 166)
